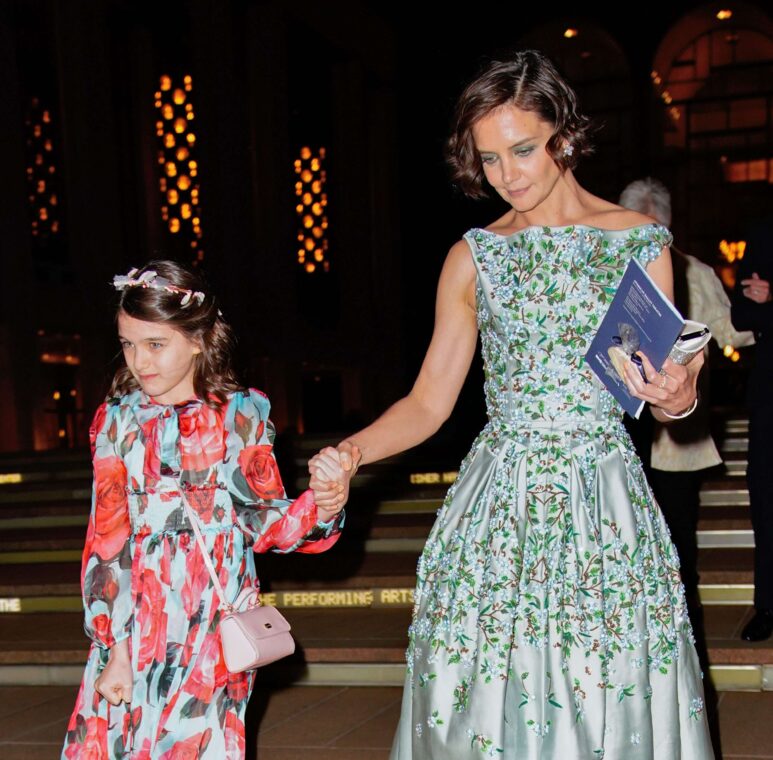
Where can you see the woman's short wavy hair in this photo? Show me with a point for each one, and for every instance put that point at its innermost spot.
(530, 82)
(213, 374)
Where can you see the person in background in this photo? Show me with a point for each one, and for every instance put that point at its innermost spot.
(682, 453)
(753, 310)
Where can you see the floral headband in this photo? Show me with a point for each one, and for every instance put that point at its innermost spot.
(150, 279)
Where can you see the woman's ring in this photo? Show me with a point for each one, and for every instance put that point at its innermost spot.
(663, 384)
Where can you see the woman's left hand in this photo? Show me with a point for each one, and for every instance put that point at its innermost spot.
(330, 478)
(672, 390)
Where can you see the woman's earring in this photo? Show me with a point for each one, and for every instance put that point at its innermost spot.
(568, 149)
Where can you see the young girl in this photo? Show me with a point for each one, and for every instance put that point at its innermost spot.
(155, 684)
(549, 619)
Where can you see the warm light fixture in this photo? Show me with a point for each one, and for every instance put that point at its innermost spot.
(569, 33)
(724, 14)
(176, 159)
(311, 202)
(732, 250)
(41, 170)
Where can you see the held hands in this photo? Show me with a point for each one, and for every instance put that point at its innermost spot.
(331, 471)
(115, 681)
(673, 390)
(756, 289)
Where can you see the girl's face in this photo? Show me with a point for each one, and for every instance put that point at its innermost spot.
(511, 144)
(160, 358)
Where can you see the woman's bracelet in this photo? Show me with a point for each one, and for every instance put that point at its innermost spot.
(681, 415)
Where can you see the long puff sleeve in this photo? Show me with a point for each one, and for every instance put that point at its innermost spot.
(106, 565)
(271, 520)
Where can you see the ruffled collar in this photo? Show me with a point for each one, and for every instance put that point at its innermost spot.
(140, 400)
(187, 436)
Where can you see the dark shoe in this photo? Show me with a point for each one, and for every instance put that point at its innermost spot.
(760, 627)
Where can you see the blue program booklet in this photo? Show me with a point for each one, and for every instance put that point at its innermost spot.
(640, 318)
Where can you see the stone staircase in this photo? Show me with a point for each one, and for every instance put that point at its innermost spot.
(350, 608)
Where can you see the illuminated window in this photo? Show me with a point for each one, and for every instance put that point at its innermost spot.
(756, 170)
(177, 161)
(311, 204)
(41, 172)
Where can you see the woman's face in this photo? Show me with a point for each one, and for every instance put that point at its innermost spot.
(511, 144)
(160, 358)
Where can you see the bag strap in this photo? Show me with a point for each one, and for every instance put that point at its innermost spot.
(194, 521)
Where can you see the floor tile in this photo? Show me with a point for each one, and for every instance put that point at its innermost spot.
(272, 707)
(746, 722)
(323, 723)
(317, 753)
(25, 751)
(378, 730)
(43, 717)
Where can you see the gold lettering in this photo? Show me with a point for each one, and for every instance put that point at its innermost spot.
(422, 478)
(394, 596)
(343, 598)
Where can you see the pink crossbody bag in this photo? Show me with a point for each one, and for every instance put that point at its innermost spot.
(251, 634)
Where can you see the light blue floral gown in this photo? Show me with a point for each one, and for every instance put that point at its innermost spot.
(549, 618)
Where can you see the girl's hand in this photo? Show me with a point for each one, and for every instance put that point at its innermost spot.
(672, 390)
(115, 681)
(331, 471)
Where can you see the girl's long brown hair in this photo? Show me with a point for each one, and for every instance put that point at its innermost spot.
(213, 375)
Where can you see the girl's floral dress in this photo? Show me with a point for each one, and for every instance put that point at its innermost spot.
(143, 577)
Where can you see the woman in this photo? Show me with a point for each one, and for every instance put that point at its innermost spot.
(549, 619)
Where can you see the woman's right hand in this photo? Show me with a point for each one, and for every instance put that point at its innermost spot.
(115, 681)
(331, 471)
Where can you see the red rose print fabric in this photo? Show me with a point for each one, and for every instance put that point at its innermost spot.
(144, 580)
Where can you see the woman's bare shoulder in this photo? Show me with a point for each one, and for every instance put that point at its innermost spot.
(457, 280)
(502, 226)
(459, 260)
(613, 217)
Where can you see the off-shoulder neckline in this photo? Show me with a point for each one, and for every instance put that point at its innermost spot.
(568, 228)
